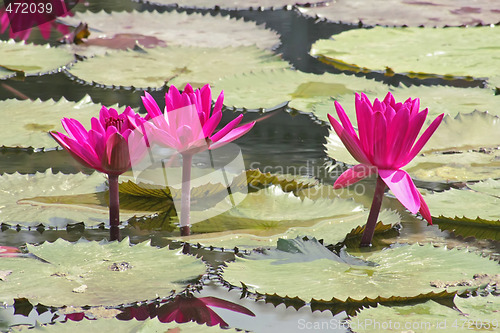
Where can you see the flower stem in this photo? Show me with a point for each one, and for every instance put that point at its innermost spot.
(114, 208)
(186, 194)
(366, 240)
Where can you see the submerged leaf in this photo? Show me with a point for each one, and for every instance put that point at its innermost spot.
(173, 65)
(150, 272)
(54, 200)
(396, 269)
(448, 53)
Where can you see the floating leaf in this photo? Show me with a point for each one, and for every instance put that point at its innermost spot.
(28, 59)
(254, 178)
(473, 314)
(438, 99)
(171, 29)
(449, 156)
(449, 53)
(115, 325)
(282, 215)
(272, 87)
(30, 121)
(396, 269)
(148, 272)
(428, 13)
(234, 4)
(54, 200)
(477, 204)
(173, 65)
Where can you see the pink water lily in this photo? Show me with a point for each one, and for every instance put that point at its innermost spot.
(387, 141)
(189, 122)
(188, 125)
(105, 147)
(109, 147)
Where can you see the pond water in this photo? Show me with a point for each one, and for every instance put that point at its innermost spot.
(284, 140)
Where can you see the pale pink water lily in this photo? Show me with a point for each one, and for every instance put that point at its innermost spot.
(387, 142)
(109, 147)
(189, 122)
(188, 125)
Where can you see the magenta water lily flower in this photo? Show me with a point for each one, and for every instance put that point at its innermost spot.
(105, 147)
(387, 141)
(108, 147)
(188, 125)
(189, 121)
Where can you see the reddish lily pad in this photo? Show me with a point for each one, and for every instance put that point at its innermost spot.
(153, 29)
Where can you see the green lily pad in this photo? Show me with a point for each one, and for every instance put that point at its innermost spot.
(91, 273)
(396, 269)
(438, 99)
(428, 13)
(473, 314)
(272, 87)
(122, 30)
(54, 200)
(44, 116)
(28, 59)
(282, 215)
(448, 53)
(254, 178)
(449, 156)
(175, 65)
(476, 204)
(234, 4)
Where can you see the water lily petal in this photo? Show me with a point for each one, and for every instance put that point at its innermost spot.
(96, 125)
(117, 155)
(221, 303)
(351, 143)
(210, 126)
(401, 184)
(151, 106)
(233, 135)
(424, 138)
(353, 175)
(424, 210)
(396, 133)
(84, 155)
(415, 124)
(75, 129)
(364, 115)
(226, 129)
(346, 123)
(380, 140)
(219, 103)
